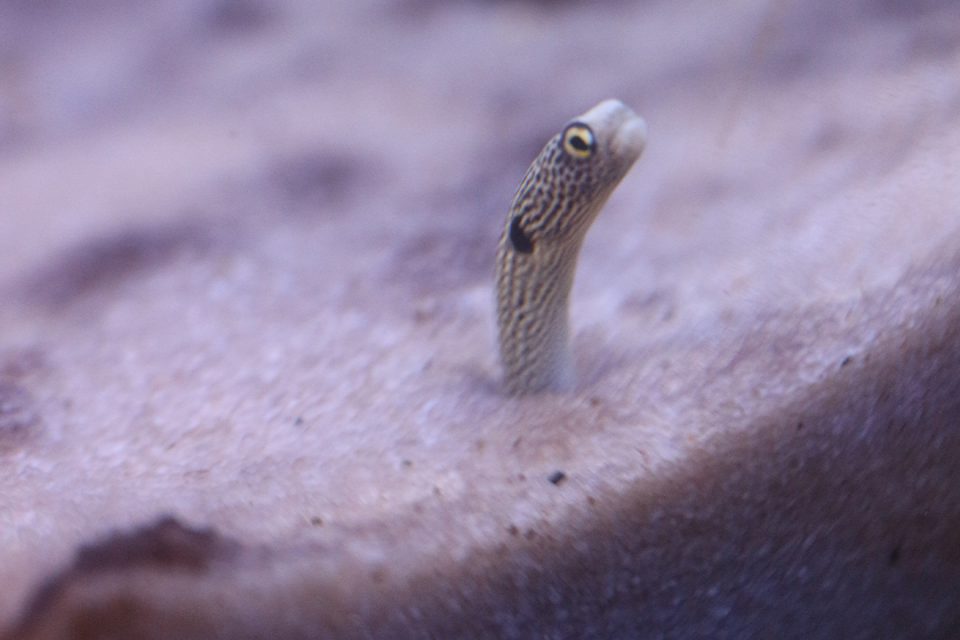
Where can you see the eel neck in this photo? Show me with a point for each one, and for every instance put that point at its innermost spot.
(532, 318)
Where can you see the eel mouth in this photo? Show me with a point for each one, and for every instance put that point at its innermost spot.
(630, 139)
(622, 131)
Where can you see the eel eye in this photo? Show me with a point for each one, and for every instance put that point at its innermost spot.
(579, 141)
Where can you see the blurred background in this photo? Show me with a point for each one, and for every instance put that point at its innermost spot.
(235, 233)
(173, 121)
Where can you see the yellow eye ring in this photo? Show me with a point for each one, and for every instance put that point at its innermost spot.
(579, 141)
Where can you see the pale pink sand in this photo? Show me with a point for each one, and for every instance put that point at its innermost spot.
(245, 260)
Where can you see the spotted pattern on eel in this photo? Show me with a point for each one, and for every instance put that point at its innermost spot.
(558, 199)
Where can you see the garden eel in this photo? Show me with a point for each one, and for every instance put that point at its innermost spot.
(556, 202)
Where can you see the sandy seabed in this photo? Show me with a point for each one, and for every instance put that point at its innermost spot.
(247, 376)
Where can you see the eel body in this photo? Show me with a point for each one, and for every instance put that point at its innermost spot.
(558, 199)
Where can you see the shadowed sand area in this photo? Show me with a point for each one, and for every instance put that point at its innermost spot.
(248, 385)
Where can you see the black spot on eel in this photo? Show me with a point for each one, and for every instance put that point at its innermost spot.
(557, 201)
